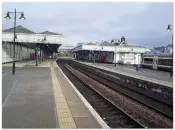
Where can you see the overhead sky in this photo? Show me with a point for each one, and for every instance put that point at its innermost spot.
(142, 24)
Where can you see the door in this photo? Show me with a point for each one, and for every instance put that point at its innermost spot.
(122, 57)
(155, 62)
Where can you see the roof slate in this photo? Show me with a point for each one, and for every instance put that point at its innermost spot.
(19, 29)
(50, 33)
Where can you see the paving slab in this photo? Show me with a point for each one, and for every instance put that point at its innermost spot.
(45, 63)
(85, 122)
(40, 97)
(64, 115)
(6, 68)
(28, 99)
(81, 115)
(19, 63)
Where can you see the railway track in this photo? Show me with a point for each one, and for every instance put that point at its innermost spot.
(111, 115)
(161, 107)
(159, 92)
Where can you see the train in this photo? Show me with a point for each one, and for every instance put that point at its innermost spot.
(163, 62)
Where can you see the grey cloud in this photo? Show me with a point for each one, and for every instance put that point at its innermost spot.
(140, 23)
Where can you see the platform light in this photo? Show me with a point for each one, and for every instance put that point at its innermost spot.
(45, 38)
(169, 28)
(15, 36)
(8, 16)
(22, 16)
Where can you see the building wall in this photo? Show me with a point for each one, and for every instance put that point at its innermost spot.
(110, 48)
(65, 48)
(124, 54)
(125, 58)
(110, 57)
(169, 49)
(116, 58)
(128, 58)
(107, 56)
(6, 52)
(21, 53)
(163, 49)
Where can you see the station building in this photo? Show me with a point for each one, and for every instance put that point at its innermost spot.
(65, 48)
(29, 45)
(114, 52)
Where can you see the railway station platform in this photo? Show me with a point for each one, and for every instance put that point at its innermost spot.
(158, 77)
(42, 97)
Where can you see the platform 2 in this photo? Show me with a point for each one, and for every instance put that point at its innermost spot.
(158, 77)
(42, 97)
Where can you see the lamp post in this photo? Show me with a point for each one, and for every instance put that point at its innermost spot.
(36, 54)
(169, 29)
(40, 53)
(115, 45)
(22, 18)
(115, 55)
(94, 56)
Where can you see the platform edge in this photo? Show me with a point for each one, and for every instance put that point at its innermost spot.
(88, 106)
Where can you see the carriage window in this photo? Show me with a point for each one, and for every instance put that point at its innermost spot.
(167, 62)
(148, 60)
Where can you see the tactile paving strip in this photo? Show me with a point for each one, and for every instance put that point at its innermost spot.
(64, 115)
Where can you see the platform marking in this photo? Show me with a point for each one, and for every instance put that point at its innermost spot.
(64, 116)
(55, 111)
(9, 93)
(88, 106)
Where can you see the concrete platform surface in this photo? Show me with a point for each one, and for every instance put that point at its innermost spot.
(45, 63)
(159, 77)
(8, 66)
(19, 63)
(41, 97)
(28, 99)
(81, 115)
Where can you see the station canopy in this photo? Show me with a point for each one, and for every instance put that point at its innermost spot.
(26, 37)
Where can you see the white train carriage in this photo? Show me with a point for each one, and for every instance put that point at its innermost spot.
(157, 61)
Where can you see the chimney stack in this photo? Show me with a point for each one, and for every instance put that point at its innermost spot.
(123, 39)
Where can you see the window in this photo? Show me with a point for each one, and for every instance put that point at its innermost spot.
(148, 60)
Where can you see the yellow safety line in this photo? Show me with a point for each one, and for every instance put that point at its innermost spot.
(64, 115)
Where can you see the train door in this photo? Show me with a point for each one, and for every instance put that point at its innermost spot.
(139, 59)
(155, 62)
